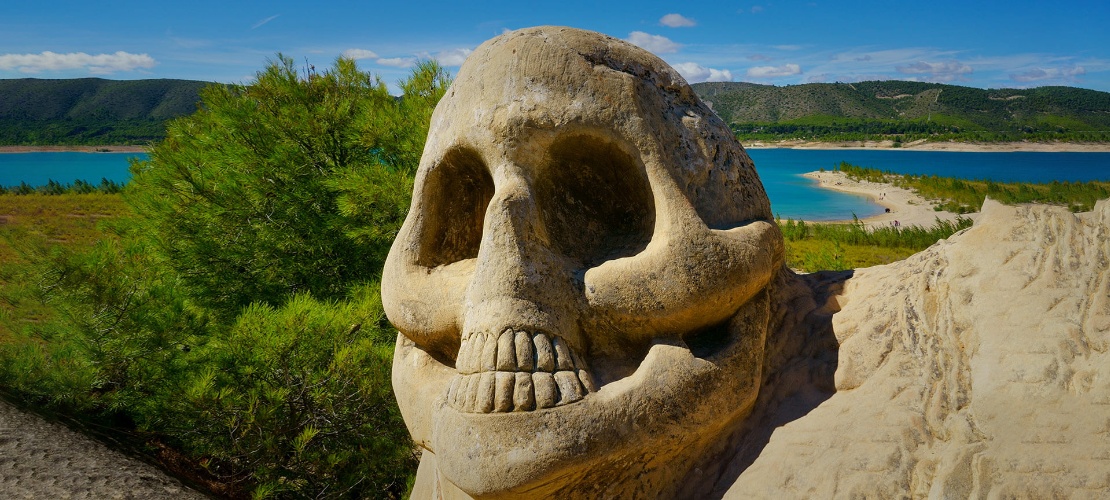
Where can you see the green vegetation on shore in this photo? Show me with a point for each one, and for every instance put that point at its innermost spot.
(908, 111)
(836, 246)
(965, 196)
(226, 305)
(816, 246)
(53, 187)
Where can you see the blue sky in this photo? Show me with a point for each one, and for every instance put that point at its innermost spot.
(980, 44)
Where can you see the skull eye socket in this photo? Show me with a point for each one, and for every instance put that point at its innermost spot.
(457, 192)
(595, 200)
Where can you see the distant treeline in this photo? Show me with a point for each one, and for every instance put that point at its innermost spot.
(53, 187)
(92, 111)
(907, 111)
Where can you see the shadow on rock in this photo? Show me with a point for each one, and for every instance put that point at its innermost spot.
(801, 359)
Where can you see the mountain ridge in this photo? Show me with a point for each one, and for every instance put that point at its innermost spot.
(92, 110)
(97, 111)
(924, 108)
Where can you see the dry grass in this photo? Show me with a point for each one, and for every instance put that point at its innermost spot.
(27, 222)
(66, 219)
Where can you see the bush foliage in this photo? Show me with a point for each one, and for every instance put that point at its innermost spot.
(233, 312)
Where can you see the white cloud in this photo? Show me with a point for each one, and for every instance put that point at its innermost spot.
(654, 43)
(453, 57)
(264, 21)
(97, 64)
(945, 71)
(695, 73)
(1038, 74)
(677, 21)
(774, 71)
(397, 62)
(358, 54)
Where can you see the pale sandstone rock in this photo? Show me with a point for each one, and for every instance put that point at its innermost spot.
(579, 217)
(979, 368)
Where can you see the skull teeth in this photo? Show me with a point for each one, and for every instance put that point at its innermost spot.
(517, 371)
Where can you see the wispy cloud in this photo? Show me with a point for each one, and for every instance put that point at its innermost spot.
(1040, 74)
(677, 21)
(359, 54)
(453, 57)
(264, 21)
(695, 73)
(774, 71)
(653, 43)
(944, 71)
(756, 9)
(759, 57)
(97, 64)
(397, 62)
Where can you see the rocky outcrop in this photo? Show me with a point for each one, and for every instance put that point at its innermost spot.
(979, 368)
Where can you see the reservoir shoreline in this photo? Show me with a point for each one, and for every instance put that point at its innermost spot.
(921, 145)
(74, 149)
(905, 207)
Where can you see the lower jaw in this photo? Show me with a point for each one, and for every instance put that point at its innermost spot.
(655, 423)
(609, 437)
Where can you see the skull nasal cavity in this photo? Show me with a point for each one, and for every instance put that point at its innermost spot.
(595, 200)
(456, 193)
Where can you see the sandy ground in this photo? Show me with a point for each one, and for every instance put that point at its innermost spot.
(75, 149)
(41, 459)
(906, 207)
(922, 145)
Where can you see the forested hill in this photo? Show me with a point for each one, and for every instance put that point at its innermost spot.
(92, 110)
(897, 107)
(98, 111)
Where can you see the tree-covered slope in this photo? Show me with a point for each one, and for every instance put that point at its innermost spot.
(895, 107)
(92, 110)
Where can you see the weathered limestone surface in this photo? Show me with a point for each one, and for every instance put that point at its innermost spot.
(592, 304)
(979, 368)
(581, 282)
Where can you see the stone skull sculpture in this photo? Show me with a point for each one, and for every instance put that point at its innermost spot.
(580, 285)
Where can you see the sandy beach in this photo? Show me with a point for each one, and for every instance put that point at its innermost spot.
(906, 208)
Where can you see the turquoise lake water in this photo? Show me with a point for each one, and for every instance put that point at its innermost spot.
(792, 196)
(36, 169)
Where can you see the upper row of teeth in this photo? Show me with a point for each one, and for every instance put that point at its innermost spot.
(517, 371)
(515, 351)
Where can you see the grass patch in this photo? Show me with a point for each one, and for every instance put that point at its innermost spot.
(37, 224)
(830, 246)
(64, 219)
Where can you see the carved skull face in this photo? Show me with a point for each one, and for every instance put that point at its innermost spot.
(580, 283)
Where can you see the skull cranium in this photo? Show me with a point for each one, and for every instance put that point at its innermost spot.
(580, 284)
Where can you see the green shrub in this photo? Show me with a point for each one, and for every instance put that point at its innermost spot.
(234, 313)
(300, 397)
